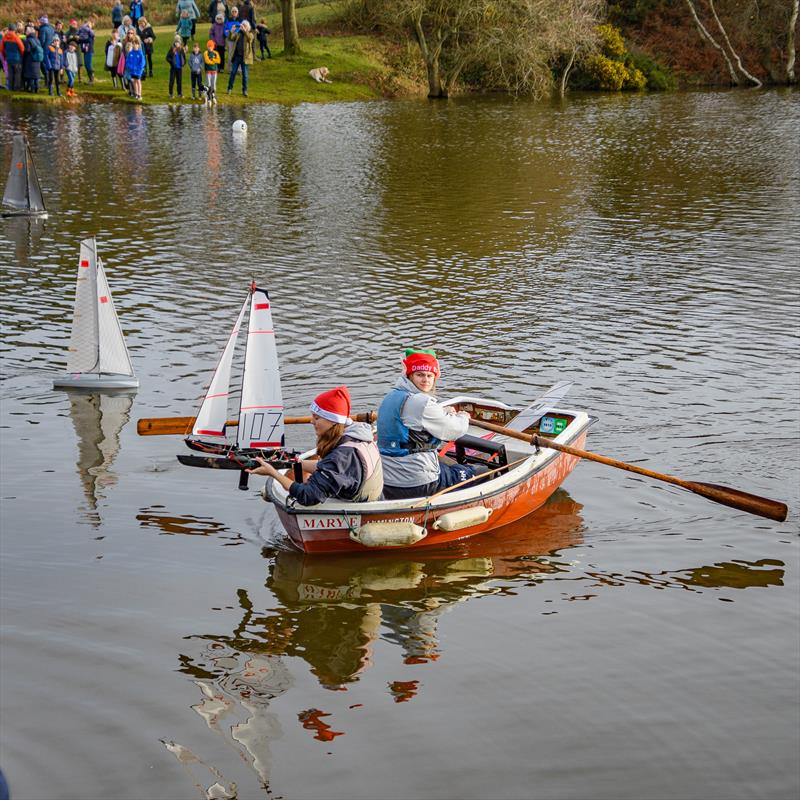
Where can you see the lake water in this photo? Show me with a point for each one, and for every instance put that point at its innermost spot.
(161, 638)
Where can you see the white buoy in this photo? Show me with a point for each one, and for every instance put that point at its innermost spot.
(240, 126)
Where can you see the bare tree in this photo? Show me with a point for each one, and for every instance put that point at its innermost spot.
(513, 44)
(711, 40)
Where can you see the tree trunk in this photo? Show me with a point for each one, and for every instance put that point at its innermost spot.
(431, 58)
(722, 30)
(790, 77)
(711, 40)
(435, 87)
(291, 38)
(562, 88)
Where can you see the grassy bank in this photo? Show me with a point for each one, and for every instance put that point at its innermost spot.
(358, 67)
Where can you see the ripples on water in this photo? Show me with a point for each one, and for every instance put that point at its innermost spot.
(644, 247)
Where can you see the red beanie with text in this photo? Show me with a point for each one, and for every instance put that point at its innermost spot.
(421, 362)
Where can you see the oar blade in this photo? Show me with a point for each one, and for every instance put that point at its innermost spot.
(744, 501)
(164, 426)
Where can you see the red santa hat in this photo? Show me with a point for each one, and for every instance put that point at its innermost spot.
(333, 405)
(421, 361)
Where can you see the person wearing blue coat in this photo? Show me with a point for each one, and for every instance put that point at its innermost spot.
(46, 34)
(53, 64)
(135, 64)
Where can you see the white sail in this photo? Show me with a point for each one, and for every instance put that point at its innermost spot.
(261, 412)
(84, 351)
(98, 357)
(211, 418)
(16, 193)
(113, 357)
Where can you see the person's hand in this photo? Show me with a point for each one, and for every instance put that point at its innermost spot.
(264, 469)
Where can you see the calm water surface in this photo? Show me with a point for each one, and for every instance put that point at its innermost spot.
(161, 639)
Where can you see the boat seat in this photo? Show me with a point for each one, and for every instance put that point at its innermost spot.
(474, 450)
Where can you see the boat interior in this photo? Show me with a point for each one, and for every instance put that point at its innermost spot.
(495, 451)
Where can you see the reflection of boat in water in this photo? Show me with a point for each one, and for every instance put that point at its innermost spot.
(98, 420)
(333, 609)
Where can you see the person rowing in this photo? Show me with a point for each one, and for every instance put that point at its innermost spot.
(348, 465)
(412, 425)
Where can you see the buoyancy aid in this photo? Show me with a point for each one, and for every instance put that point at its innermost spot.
(394, 437)
(372, 484)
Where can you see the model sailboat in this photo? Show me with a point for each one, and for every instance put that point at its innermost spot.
(23, 194)
(260, 427)
(98, 357)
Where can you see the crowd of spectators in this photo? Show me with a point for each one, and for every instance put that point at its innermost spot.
(36, 54)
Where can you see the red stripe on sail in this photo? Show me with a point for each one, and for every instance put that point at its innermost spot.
(84, 263)
(103, 299)
(260, 306)
(264, 331)
(247, 408)
(221, 394)
(213, 433)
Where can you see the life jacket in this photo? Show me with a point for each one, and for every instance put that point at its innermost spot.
(394, 437)
(372, 485)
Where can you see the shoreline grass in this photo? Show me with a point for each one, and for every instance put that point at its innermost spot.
(358, 67)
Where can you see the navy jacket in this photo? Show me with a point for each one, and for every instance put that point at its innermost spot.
(338, 475)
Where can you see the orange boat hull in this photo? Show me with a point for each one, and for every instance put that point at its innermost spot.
(330, 533)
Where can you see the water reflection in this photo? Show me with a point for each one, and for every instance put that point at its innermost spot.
(334, 609)
(98, 420)
(25, 233)
(763, 573)
(236, 689)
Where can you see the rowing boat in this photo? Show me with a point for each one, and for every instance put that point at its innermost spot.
(521, 479)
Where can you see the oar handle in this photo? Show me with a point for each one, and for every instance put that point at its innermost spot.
(744, 501)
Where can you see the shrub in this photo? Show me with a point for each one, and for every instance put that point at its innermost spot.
(606, 73)
(611, 42)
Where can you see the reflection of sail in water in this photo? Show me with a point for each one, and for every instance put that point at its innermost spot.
(236, 690)
(25, 232)
(98, 421)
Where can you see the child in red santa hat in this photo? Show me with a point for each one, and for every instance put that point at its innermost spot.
(348, 466)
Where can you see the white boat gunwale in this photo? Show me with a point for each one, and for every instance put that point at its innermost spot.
(468, 495)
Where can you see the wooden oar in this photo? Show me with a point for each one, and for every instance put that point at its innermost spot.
(163, 426)
(751, 503)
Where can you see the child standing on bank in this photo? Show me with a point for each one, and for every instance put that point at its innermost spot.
(176, 58)
(211, 60)
(53, 64)
(135, 62)
(196, 70)
(262, 31)
(113, 52)
(71, 67)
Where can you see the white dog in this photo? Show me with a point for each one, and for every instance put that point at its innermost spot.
(320, 75)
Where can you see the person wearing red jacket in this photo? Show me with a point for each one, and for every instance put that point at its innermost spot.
(12, 49)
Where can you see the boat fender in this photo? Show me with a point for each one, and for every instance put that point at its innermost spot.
(388, 534)
(463, 518)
